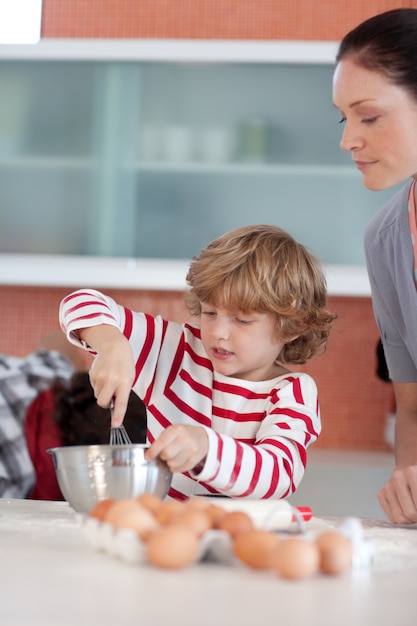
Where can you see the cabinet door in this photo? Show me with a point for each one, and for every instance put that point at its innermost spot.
(46, 115)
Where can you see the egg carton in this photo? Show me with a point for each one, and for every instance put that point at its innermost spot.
(215, 545)
(125, 544)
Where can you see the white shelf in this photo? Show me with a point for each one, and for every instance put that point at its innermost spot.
(232, 168)
(48, 270)
(153, 274)
(259, 169)
(55, 162)
(173, 50)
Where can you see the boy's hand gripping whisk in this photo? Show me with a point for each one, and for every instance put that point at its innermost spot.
(118, 435)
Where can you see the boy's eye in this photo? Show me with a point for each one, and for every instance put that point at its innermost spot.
(242, 320)
(208, 313)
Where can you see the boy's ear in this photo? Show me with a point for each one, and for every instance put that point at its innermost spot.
(292, 338)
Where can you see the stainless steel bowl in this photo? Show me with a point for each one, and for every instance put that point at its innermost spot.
(87, 474)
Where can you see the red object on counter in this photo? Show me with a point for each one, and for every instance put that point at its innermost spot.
(305, 512)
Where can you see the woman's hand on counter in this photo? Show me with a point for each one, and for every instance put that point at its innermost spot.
(398, 497)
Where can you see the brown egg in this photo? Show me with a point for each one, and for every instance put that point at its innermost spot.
(150, 501)
(235, 523)
(172, 547)
(335, 552)
(296, 558)
(100, 509)
(130, 514)
(255, 548)
(195, 519)
(216, 513)
(167, 511)
(199, 502)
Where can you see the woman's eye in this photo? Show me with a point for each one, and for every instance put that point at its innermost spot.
(365, 120)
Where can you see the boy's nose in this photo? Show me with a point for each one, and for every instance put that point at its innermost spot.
(221, 329)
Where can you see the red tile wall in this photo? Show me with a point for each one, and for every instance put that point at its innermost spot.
(209, 19)
(354, 402)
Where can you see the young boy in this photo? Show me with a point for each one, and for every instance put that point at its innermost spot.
(224, 412)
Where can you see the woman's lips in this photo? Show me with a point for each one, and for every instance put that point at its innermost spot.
(363, 165)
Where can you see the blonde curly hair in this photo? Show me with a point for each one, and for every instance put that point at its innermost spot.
(263, 269)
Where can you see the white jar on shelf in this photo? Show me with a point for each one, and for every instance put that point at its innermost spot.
(217, 145)
(178, 144)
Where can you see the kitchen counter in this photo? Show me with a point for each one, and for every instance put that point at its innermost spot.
(53, 577)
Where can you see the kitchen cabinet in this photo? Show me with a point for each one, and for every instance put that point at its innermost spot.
(152, 149)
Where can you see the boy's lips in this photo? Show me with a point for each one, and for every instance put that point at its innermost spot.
(221, 353)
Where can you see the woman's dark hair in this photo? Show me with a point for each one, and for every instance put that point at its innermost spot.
(82, 422)
(386, 43)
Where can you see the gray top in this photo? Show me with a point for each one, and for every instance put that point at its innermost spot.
(390, 261)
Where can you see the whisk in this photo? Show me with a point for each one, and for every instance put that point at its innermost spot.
(118, 435)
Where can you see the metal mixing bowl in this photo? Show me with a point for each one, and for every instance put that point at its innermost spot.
(87, 474)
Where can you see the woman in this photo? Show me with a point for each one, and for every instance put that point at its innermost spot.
(375, 90)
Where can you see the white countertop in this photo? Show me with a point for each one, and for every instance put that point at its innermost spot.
(48, 270)
(52, 577)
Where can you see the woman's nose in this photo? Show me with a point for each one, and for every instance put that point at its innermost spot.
(351, 140)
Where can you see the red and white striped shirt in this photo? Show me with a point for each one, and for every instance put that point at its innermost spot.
(258, 431)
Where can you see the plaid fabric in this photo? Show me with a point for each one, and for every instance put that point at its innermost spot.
(21, 380)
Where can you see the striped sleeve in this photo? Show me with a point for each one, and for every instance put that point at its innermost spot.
(86, 308)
